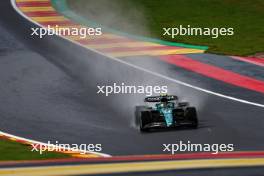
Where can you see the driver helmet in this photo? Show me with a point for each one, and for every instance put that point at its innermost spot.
(164, 100)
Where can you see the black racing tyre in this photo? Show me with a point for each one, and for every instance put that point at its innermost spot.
(138, 111)
(145, 119)
(191, 116)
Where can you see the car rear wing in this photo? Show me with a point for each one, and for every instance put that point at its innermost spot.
(158, 98)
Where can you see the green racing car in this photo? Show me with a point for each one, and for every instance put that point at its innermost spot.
(166, 112)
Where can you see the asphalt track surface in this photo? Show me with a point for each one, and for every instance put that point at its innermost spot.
(48, 93)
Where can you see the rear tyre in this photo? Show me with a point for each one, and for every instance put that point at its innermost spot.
(138, 111)
(144, 120)
(191, 116)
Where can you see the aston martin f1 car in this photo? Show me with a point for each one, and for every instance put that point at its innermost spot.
(165, 111)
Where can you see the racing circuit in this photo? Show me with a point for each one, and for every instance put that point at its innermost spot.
(48, 93)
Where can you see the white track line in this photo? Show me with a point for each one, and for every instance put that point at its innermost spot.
(49, 145)
(145, 70)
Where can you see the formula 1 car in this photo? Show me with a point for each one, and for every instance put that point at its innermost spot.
(167, 112)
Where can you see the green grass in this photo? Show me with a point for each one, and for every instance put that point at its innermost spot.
(11, 151)
(148, 17)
